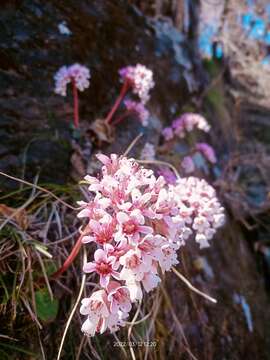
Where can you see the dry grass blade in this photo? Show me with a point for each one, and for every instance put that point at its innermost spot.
(45, 275)
(80, 348)
(139, 321)
(156, 305)
(39, 188)
(132, 144)
(32, 314)
(180, 327)
(130, 330)
(191, 287)
(121, 347)
(73, 309)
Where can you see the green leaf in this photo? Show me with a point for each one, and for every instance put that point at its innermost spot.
(47, 309)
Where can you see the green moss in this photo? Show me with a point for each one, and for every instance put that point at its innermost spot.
(215, 97)
(213, 67)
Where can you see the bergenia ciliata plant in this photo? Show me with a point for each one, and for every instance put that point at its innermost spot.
(79, 76)
(180, 129)
(137, 220)
(138, 223)
(138, 79)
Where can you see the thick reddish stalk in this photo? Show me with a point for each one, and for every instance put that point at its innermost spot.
(69, 259)
(76, 104)
(121, 118)
(117, 102)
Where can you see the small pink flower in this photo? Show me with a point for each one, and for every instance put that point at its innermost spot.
(96, 304)
(178, 126)
(132, 225)
(168, 175)
(150, 281)
(168, 258)
(97, 310)
(207, 151)
(163, 204)
(135, 289)
(94, 209)
(140, 78)
(119, 297)
(66, 74)
(102, 231)
(133, 266)
(188, 164)
(62, 79)
(218, 220)
(80, 75)
(203, 240)
(192, 120)
(103, 265)
(150, 248)
(138, 109)
(168, 133)
(187, 122)
(114, 320)
(201, 224)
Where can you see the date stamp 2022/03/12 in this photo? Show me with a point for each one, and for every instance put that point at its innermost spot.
(152, 344)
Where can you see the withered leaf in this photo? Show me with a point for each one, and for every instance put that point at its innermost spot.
(21, 217)
(102, 131)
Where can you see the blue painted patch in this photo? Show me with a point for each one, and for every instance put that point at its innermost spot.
(219, 51)
(258, 29)
(266, 39)
(266, 61)
(205, 41)
(247, 20)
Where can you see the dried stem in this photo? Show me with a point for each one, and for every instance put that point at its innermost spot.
(180, 327)
(130, 330)
(132, 144)
(73, 309)
(191, 287)
(39, 188)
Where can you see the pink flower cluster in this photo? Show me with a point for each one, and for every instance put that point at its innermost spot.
(76, 73)
(139, 109)
(140, 78)
(185, 123)
(198, 204)
(138, 223)
(207, 151)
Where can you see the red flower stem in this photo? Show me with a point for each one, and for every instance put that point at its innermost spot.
(117, 102)
(121, 118)
(69, 259)
(76, 104)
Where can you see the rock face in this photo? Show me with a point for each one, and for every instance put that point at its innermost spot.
(35, 138)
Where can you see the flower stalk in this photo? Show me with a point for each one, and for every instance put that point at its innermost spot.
(75, 104)
(118, 101)
(69, 259)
